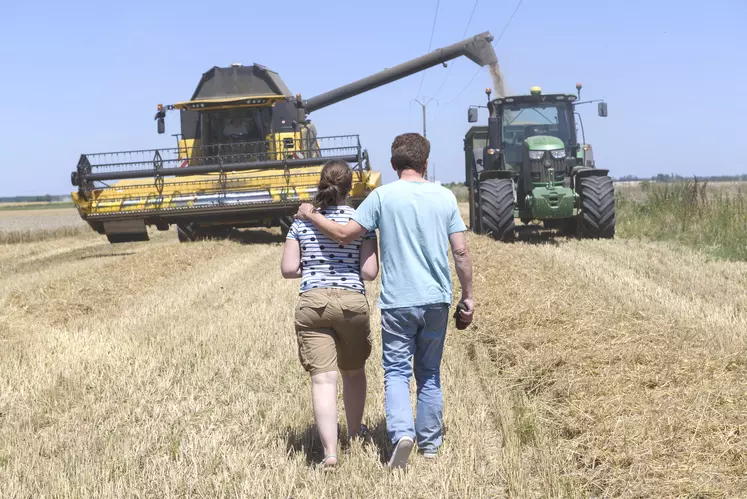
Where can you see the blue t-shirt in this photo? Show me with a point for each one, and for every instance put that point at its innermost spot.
(414, 220)
(326, 263)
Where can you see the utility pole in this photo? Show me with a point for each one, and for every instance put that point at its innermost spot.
(424, 106)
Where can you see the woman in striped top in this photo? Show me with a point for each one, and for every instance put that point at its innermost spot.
(332, 316)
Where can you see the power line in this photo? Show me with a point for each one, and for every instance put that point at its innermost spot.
(451, 66)
(507, 23)
(474, 8)
(494, 44)
(430, 44)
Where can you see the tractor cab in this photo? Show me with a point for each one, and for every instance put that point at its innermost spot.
(536, 129)
(528, 164)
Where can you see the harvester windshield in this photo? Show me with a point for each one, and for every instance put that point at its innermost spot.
(236, 125)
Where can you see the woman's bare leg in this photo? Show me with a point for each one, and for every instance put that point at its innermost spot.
(354, 396)
(324, 400)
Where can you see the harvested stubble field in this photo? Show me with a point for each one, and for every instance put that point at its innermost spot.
(594, 369)
(24, 223)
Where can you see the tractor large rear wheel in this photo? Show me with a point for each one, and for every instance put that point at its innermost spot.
(497, 200)
(597, 207)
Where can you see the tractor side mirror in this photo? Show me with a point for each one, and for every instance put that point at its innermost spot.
(472, 115)
(602, 109)
(161, 125)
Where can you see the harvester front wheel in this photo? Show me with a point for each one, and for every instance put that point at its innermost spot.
(126, 238)
(597, 207)
(189, 232)
(285, 224)
(185, 233)
(497, 201)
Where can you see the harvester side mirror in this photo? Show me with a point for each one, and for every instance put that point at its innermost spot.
(161, 126)
(602, 109)
(472, 115)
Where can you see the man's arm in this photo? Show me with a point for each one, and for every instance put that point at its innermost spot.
(463, 264)
(344, 234)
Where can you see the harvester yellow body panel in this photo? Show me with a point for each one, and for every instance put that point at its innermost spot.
(234, 189)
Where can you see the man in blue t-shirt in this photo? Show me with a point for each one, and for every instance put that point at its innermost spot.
(416, 220)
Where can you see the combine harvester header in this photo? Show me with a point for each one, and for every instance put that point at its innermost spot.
(247, 155)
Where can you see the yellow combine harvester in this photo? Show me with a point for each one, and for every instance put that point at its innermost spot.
(247, 155)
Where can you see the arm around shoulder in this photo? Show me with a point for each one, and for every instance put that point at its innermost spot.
(342, 233)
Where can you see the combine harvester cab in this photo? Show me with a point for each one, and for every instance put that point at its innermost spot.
(247, 155)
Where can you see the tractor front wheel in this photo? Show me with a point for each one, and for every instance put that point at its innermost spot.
(597, 207)
(497, 200)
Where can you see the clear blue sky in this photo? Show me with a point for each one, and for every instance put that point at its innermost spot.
(86, 76)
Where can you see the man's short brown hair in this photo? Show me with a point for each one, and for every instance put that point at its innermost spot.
(410, 150)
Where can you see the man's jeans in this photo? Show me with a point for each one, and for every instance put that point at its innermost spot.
(417, 332)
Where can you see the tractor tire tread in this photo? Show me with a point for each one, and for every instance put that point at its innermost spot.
(598, 217)
(497, 198)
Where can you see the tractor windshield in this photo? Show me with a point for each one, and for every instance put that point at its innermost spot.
(530, 119)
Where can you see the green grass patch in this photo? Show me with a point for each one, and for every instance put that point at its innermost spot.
(460, 192)
(712, 218)
(37, 206)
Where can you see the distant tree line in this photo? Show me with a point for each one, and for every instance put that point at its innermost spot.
(46, 198)
(670, 177)
(661, 177)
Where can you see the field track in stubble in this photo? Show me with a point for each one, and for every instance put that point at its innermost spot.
(594, 369)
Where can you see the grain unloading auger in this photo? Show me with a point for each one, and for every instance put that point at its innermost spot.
(247, 155)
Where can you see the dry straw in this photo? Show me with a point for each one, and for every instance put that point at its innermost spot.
(594, 369)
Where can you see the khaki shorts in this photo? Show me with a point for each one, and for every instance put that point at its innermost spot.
(333, 330)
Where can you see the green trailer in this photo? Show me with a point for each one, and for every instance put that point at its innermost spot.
(528, 164)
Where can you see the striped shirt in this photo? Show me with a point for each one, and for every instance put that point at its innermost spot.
(326, 263)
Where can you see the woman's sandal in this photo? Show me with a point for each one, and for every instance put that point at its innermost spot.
(327, 466)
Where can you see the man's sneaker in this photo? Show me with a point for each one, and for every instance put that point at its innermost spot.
(401, 453)
(429, 454)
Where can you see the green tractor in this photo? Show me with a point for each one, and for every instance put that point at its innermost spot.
(528, 164)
